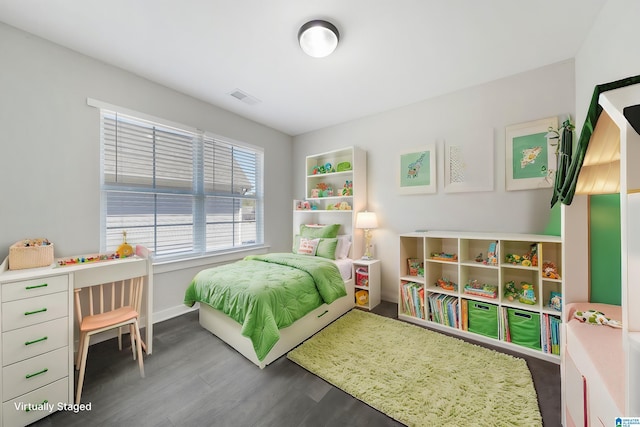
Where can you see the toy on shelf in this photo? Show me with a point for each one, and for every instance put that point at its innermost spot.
(474, 287)
(415, 265)
(347, 189)
(492, 254)
(326, 168)
(340, 206)
(510, 291)
(550, 270)
(442, 256)
(447, 285)
(343, 166)
(527, 293)
(530, 259)
(362, 297)
(555, 301)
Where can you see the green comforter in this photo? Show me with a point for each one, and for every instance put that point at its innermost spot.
(267, 292)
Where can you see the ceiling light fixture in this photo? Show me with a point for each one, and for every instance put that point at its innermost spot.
(318, 38)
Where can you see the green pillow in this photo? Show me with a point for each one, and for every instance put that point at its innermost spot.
(327, 248)
(315, 232)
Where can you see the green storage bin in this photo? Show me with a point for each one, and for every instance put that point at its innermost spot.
(524, 327)
(483, 318)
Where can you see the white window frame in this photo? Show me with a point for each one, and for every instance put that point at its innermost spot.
(242, 189)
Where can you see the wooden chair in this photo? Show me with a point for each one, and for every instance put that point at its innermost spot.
(123, 300)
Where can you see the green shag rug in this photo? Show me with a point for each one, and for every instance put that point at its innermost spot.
(420, 377)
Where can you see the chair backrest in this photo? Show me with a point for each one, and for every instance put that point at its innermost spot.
(110, 296)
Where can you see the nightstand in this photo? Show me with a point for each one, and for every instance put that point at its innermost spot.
(367, 283)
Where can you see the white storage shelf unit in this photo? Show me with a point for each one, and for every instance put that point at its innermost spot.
(324, 209)
(458, 265)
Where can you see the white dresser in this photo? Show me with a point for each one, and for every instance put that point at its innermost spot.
(37, 324)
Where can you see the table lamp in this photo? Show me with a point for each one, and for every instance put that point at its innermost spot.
(367, 221)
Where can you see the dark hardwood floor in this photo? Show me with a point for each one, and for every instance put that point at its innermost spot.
(194, 379)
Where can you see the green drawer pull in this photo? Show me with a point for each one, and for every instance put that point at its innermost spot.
(44, 402)
(322, 314)
(28, 313)
(44, 371)
(35, 341)
(44, 285)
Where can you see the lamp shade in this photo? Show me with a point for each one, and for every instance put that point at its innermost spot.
(318, 38)
(366, 220)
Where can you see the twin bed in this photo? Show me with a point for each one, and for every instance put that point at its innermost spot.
(265, 305)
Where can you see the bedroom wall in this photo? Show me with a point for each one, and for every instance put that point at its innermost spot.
(460, 116)
(49, 157)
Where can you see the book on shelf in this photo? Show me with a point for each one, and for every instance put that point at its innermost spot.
(412, 295)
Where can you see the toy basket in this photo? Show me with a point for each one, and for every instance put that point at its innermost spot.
(21, 256)
(362, 277)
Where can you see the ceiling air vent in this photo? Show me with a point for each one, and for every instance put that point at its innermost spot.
(244, 97)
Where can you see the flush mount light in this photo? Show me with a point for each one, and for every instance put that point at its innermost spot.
(318, 38)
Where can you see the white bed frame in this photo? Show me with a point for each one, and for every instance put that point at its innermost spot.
(228, 330)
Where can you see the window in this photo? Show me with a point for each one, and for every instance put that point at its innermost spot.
(177, 191)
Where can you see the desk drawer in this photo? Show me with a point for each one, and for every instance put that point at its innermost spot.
(30, 374)
(23, 343)
(51, 394)
(27, 312)
(34, 287)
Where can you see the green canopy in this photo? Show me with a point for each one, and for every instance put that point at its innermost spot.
(568, 171)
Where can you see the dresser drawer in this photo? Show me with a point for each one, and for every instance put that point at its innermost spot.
(27, 312)
(35, 287)
(30, 374)
(16, 412)
(23, 343)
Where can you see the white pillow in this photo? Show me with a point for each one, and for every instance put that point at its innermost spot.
(308, 246)
(344, 244)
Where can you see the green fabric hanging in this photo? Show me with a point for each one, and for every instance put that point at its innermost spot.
(565, 186)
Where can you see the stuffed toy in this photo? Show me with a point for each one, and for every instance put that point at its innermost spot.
(594, 317)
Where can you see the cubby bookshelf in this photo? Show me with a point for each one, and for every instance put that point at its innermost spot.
(456, 282)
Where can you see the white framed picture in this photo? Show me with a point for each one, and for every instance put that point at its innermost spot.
(530, 162)
(417, 171)
(468, 163)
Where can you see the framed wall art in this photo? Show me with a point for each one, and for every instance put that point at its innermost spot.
(530, 160)
(468, 164)
(417, 171)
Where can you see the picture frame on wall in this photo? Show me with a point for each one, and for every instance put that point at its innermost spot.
(468, 162)
(417, 171)
(530, 161)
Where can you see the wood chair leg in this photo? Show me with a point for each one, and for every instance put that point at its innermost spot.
(83, 366)
(120, 339)
(133, 340)
(80, 345)
(139, 347)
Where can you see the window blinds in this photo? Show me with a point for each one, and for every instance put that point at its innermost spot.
(177, 191)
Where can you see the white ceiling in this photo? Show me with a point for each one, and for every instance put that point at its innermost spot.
(391, 53)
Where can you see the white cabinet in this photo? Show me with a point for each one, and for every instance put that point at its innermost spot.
(367, 283)
(335, 190)
(460, 282)
(37, 344)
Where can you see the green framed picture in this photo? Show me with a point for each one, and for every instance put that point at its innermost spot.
(530, 160)
(417, 171)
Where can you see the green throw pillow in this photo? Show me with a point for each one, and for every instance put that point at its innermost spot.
(315, 232)
(327, 248)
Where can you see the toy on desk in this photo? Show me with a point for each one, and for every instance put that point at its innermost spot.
(125, 249)
(593, 317)
(527, 293)
(87, 259)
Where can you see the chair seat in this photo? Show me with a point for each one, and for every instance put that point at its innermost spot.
(99, 321)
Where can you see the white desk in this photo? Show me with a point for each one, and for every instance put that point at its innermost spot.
(37, 324)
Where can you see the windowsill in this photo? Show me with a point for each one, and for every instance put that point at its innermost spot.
(169, 265)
